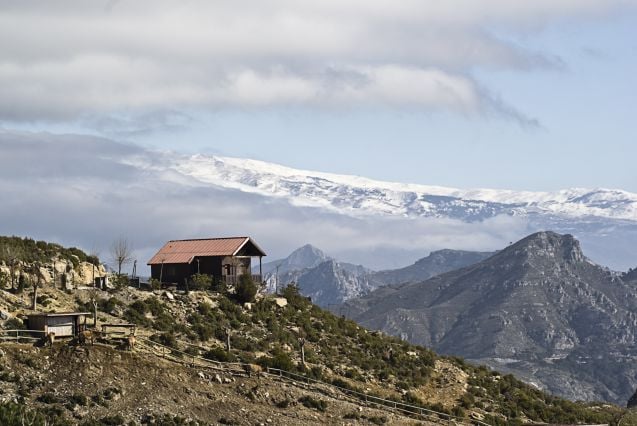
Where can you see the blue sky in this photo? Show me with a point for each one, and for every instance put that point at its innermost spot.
(543, 95)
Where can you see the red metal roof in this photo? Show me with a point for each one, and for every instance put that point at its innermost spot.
(184, 251)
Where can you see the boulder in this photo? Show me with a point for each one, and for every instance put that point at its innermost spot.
(281, 302)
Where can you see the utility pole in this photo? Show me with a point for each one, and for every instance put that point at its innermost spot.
(276, 285)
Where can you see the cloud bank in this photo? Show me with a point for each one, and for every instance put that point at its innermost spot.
(85, 191)
(75, 60)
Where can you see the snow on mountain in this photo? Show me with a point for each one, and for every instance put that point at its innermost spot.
(355, 195)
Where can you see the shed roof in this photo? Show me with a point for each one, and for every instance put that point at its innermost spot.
(184, 251)
(58, 314)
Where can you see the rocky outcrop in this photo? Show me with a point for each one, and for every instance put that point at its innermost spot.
(62, 273)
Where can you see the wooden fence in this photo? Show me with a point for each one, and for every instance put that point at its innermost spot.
(360, 397)
(21, 336)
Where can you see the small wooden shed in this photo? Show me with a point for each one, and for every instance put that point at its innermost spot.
(63, 324)
(225, 259)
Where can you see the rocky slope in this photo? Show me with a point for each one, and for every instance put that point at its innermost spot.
(538, 308)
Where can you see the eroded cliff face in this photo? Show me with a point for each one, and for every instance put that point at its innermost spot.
(62, 273)
(538, 308)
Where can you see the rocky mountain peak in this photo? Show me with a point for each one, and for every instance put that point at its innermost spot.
(306, 257)
(631, 275)
(548, 246)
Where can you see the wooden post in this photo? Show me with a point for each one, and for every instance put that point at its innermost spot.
(302, 343)
(260, 269)
(228, 339)
(94, 301)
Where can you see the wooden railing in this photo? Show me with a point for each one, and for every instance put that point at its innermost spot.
(232, 280)
(359, 397)
(20, 336)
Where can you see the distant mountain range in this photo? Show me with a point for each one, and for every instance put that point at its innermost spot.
(438, 262)
(352, 194)
(328, 281)
(538, 308)
(605, 220)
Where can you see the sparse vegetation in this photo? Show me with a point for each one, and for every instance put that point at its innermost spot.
(316, 404)
(30, 251)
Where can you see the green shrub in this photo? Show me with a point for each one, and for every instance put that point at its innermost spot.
(48, 398)
(79, 399)
(14, 324)
(116, 420)
(12, 414)
(316, 404)
(166, 339)
(200, 282)
(279, 359)
(154, 284)
(219, 354)
(246, 289)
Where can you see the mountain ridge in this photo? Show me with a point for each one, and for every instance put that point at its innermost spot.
(538, 308)
(367, 196)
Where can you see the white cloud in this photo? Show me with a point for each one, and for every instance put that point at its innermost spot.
(71, 59)
(85, 191)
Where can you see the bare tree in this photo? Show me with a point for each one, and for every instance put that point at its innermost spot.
(12, 257)
(95, 303)
(35, 283)
(95, 254)
(122, 253)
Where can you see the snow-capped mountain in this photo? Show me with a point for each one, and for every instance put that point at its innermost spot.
(357, 195)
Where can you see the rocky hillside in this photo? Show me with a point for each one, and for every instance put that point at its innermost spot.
(100, 382)
(100, 385)
(538, 308)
